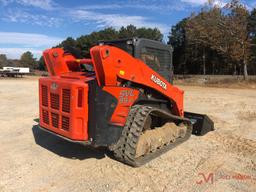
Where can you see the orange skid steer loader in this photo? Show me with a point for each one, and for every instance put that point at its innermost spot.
(122, 98)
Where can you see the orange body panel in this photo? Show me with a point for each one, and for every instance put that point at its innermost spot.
(58, 62)
(113, 63)
(126, 98)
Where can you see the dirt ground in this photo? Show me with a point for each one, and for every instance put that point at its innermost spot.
(223, 160)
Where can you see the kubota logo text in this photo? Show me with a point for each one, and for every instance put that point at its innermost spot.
(159, 82)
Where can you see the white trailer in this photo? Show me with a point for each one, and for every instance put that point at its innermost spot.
(14, 71)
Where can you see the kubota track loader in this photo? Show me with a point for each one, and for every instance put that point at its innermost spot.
(121, 98)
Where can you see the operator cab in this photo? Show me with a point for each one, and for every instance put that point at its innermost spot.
(155, 54)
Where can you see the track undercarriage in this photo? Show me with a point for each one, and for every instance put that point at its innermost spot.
(141, 141)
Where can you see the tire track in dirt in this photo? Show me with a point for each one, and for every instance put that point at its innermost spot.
(234, 144)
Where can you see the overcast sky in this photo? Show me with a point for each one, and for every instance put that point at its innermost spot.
(34, 25)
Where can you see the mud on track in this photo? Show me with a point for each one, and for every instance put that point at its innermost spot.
(35, 161)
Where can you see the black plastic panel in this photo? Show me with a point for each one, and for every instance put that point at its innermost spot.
(101, 107)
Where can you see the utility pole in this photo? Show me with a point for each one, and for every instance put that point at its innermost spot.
(204, 67)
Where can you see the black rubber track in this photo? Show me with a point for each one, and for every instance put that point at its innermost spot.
(125, 149)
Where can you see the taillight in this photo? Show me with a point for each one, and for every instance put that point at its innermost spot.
(80, 98)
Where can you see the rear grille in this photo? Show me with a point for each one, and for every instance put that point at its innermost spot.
(55, 120)
(45, 116)
(55, 107)
(66, 100)
(44, 96)
(55, 101)
(65, 123)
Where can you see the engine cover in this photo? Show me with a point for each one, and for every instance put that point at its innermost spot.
(64, 106)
